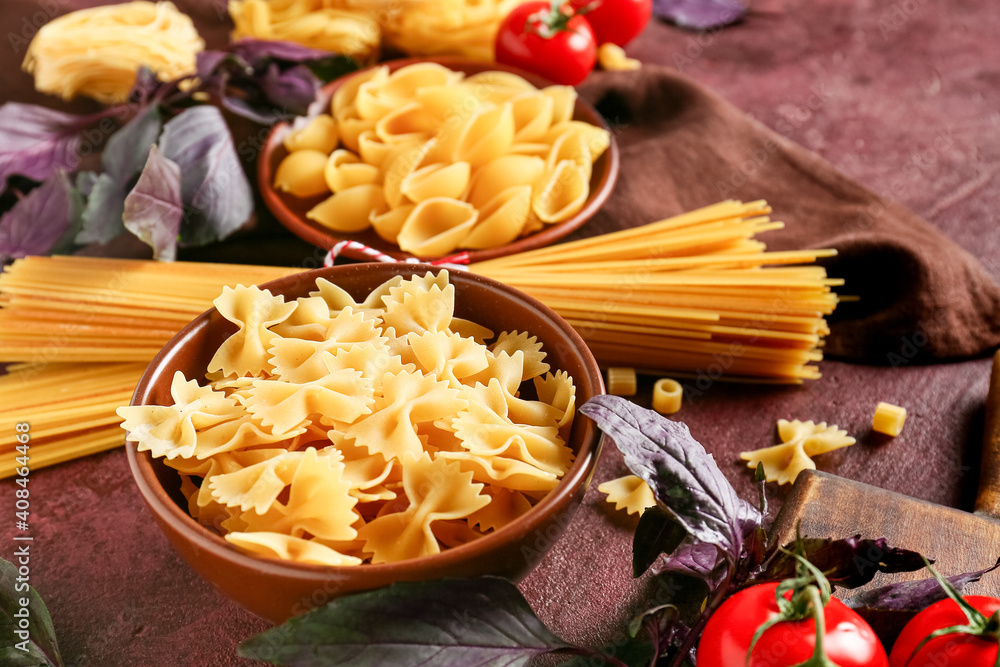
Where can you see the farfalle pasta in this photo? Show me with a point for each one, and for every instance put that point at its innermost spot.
(435, 161)
(341, 433)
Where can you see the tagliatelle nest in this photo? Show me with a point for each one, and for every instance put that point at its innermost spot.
(97, 52)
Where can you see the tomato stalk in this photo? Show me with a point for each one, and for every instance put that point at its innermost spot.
(547, 23)
(810, 593)
(978, 623)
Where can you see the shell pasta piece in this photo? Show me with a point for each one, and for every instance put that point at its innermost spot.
(341, 433)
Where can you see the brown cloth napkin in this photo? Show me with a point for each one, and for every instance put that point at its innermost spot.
(922, 297)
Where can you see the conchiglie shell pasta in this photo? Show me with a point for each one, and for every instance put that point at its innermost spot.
(502, 173)
(502, 219)
(400, 165)
(318, 134)
(388, 224)
(436, 227)
(406, 123)
(532, 116)
(344, 170)
(344, 96)
(404, 83)
(571, 146)
(536, 149)
(349, 210)
(487, 135)
(562, 193)
(351, 128)
(596, 138)
(301, 174)
(369, 104)
(437, 180)
(563, 102)
(500, 79)
(372, 149)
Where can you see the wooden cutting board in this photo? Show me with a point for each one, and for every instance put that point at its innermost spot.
(825, 505)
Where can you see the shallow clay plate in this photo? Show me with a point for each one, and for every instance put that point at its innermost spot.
(291, 211)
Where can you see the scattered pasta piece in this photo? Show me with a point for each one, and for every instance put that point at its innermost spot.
(629, 493)
(97, 51)
(889, 419)
(800, 441)
(612, 57)
(667, 396)
(435, 161)
(621, 381)
(341, 433)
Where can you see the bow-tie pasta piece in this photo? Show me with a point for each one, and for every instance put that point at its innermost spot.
(800, 441)
(422, 304)
(437, 491)
(319, 503)
(253, 310)
(407, 400)
(534, 358)
(307, 360)
(485, 433)
(310, 320)
(448, 356)
(286, 547)
(629, 493)
(505, 506)
(172, 431)
(341, 396)
(557, 389)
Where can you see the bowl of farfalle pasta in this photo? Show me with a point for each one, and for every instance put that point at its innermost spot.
(342, 429)
(428, 158)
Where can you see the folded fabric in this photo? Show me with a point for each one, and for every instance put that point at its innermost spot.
(921, 296)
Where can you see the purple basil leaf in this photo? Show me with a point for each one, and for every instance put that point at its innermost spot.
(656, 533)
(102, 217)
(695, 559)
(35, 141)
(257, 52)
(684, 477)
(684, 592)
(291, 90)
(912, 595)
(448, 622)
(700, 14)
(849, 563)
(39, 221)
(145, 87)
(126, 150)
(154, 210)
(213, 185)
(37, 646)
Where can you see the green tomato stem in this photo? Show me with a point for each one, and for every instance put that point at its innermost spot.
(818, 658)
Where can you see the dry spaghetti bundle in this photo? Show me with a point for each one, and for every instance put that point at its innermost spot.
(97, 51)
(694, 293)
(69, 410)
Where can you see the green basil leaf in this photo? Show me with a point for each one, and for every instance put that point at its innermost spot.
(444, 623)
(27, 638)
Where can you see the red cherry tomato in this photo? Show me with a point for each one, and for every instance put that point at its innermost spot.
(951, 650)
(617, 21)
(849, 640)
(564, 53)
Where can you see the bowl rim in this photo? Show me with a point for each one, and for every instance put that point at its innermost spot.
(314, 233)
(577, 478)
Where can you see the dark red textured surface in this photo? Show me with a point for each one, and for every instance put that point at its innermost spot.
(910, 101)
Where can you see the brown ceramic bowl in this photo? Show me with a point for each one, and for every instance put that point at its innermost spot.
(277, 590)
(291, 211)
